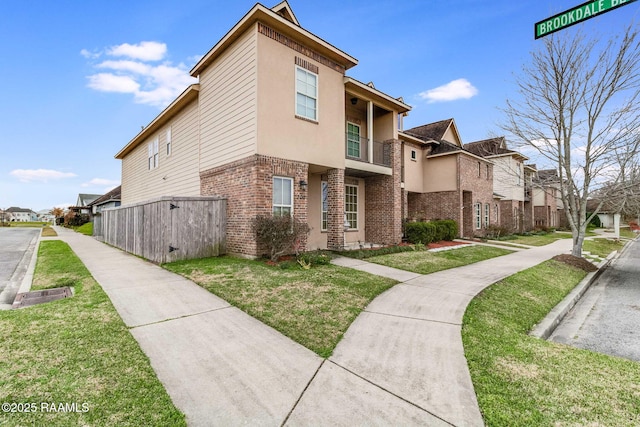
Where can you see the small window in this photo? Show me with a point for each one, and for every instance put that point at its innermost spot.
(168, 141)
(488, 172)
(325, 205)
(152, 154)
(306, 94)
(282, 196)
(414, 156)
(351, 206)
(478, 215)
(479, 169)
(495, 214)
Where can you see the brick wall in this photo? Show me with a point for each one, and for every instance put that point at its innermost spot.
(436, 205)
(383, 202)
(335, 213)
(248, 185)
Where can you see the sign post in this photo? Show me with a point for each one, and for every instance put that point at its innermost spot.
(576, 15)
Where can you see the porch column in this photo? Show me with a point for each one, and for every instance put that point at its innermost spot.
(370, 130)
(335, 213)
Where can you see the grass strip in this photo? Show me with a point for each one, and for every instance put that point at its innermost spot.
(524, 381)
(76, 350)
(602, 247)
(313, 307)
(424, 262)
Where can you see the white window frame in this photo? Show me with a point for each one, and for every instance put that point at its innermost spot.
(414, 155)
(168, 142)
(324, 203)
(280, 206)
(152, 154)
(313, 96)
(487, 214)
(478, 209)
(351, 215)
(359, 142)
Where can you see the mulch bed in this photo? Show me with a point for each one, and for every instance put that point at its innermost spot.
(444, 243)
(575, 261)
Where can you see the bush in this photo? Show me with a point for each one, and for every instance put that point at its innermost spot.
(314, 258)
(279, 235)
(496, 232)
(72, 219)
(432, 231)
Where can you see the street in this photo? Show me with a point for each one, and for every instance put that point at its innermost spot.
(607, 318)
(16, 247)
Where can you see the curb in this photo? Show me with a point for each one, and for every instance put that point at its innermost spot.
(545, 328)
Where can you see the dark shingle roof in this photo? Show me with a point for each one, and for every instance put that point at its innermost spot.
(433, 131)
(548, 175)
(111, 195)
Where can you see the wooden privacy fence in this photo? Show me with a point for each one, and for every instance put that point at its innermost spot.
(168, 229)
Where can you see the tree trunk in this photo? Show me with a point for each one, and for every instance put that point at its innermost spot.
(578, 240)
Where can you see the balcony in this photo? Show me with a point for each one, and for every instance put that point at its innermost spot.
(357, 148)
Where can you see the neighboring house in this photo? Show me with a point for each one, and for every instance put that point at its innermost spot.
(5, 216)
(442, 180)
(22, 214)
(275, 126)
(83, 202)
(509, 182)
(546, 199)
(45, 215)
(109, 200)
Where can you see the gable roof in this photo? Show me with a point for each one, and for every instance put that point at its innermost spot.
(283, 20)
(15, 209)
(85, 199)
(107, 197)
(434, 131)
(548, 175)
(493, 147)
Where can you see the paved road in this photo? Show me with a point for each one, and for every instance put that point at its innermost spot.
(16, 246)
(607, 318)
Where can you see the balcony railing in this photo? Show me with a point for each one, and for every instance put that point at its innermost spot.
(358, 149)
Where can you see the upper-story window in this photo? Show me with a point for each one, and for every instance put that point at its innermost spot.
(168, 142)
(306, 94)
(152, 154)
(414, 155)
(353, 140)
(519, 174)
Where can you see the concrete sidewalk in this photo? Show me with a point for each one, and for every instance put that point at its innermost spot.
(400, 363)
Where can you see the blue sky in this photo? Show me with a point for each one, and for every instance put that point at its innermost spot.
(78, 79)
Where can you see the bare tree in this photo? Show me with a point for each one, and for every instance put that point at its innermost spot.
(578, 107)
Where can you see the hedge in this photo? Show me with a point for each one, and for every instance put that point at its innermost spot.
(432, 231)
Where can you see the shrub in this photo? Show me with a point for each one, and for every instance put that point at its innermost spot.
(73, 219)
(432, 231)
(314, 258)
(279, 234)
(496, 232)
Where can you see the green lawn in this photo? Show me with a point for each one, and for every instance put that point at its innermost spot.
(76, 350)
(424, 262)
(602, 247)
(313, 307)
(86, 229)
(28, 224)
(539, 239)
(524, 381)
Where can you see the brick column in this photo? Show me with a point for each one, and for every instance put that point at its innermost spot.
(335, 215)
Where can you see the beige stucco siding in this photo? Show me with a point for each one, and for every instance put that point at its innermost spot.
(176, 174)
(505, 181)
(451, 136)
(228, 91)
(413, 169)
(280, 133)
(440, 174)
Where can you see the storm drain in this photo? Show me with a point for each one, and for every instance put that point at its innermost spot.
(27, 299)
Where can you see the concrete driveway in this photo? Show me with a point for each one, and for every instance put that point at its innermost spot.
(16, 249)
(607, 318)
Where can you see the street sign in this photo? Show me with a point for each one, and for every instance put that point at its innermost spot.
(576, 15)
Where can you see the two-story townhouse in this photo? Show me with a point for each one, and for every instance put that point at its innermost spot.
(546, 199)
(442, 180)
(22, 214)
(275, 126)
(509, 182)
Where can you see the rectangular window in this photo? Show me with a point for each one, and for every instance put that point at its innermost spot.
(479, 169)
(152, 154)
(306, 94)
(487, 208)
(351, 205)
(282, 196)
(518, 174)
(168, 141)
(478, 216)
(413, 155)
(325, 205)
(488, 174)
(353, 140)
(495, 214)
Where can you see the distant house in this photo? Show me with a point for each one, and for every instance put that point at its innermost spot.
(45, 215)
(108, 200)
(444, 181)
(22, 214)
(5, 216)
(83, 202)
(546, 199)
(511, 182)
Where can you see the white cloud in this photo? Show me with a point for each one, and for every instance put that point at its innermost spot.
(43, 175)
(456, 89)
(107, 82)
(101, 182)
(90, 55)
(152, 84)
(145, 51)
